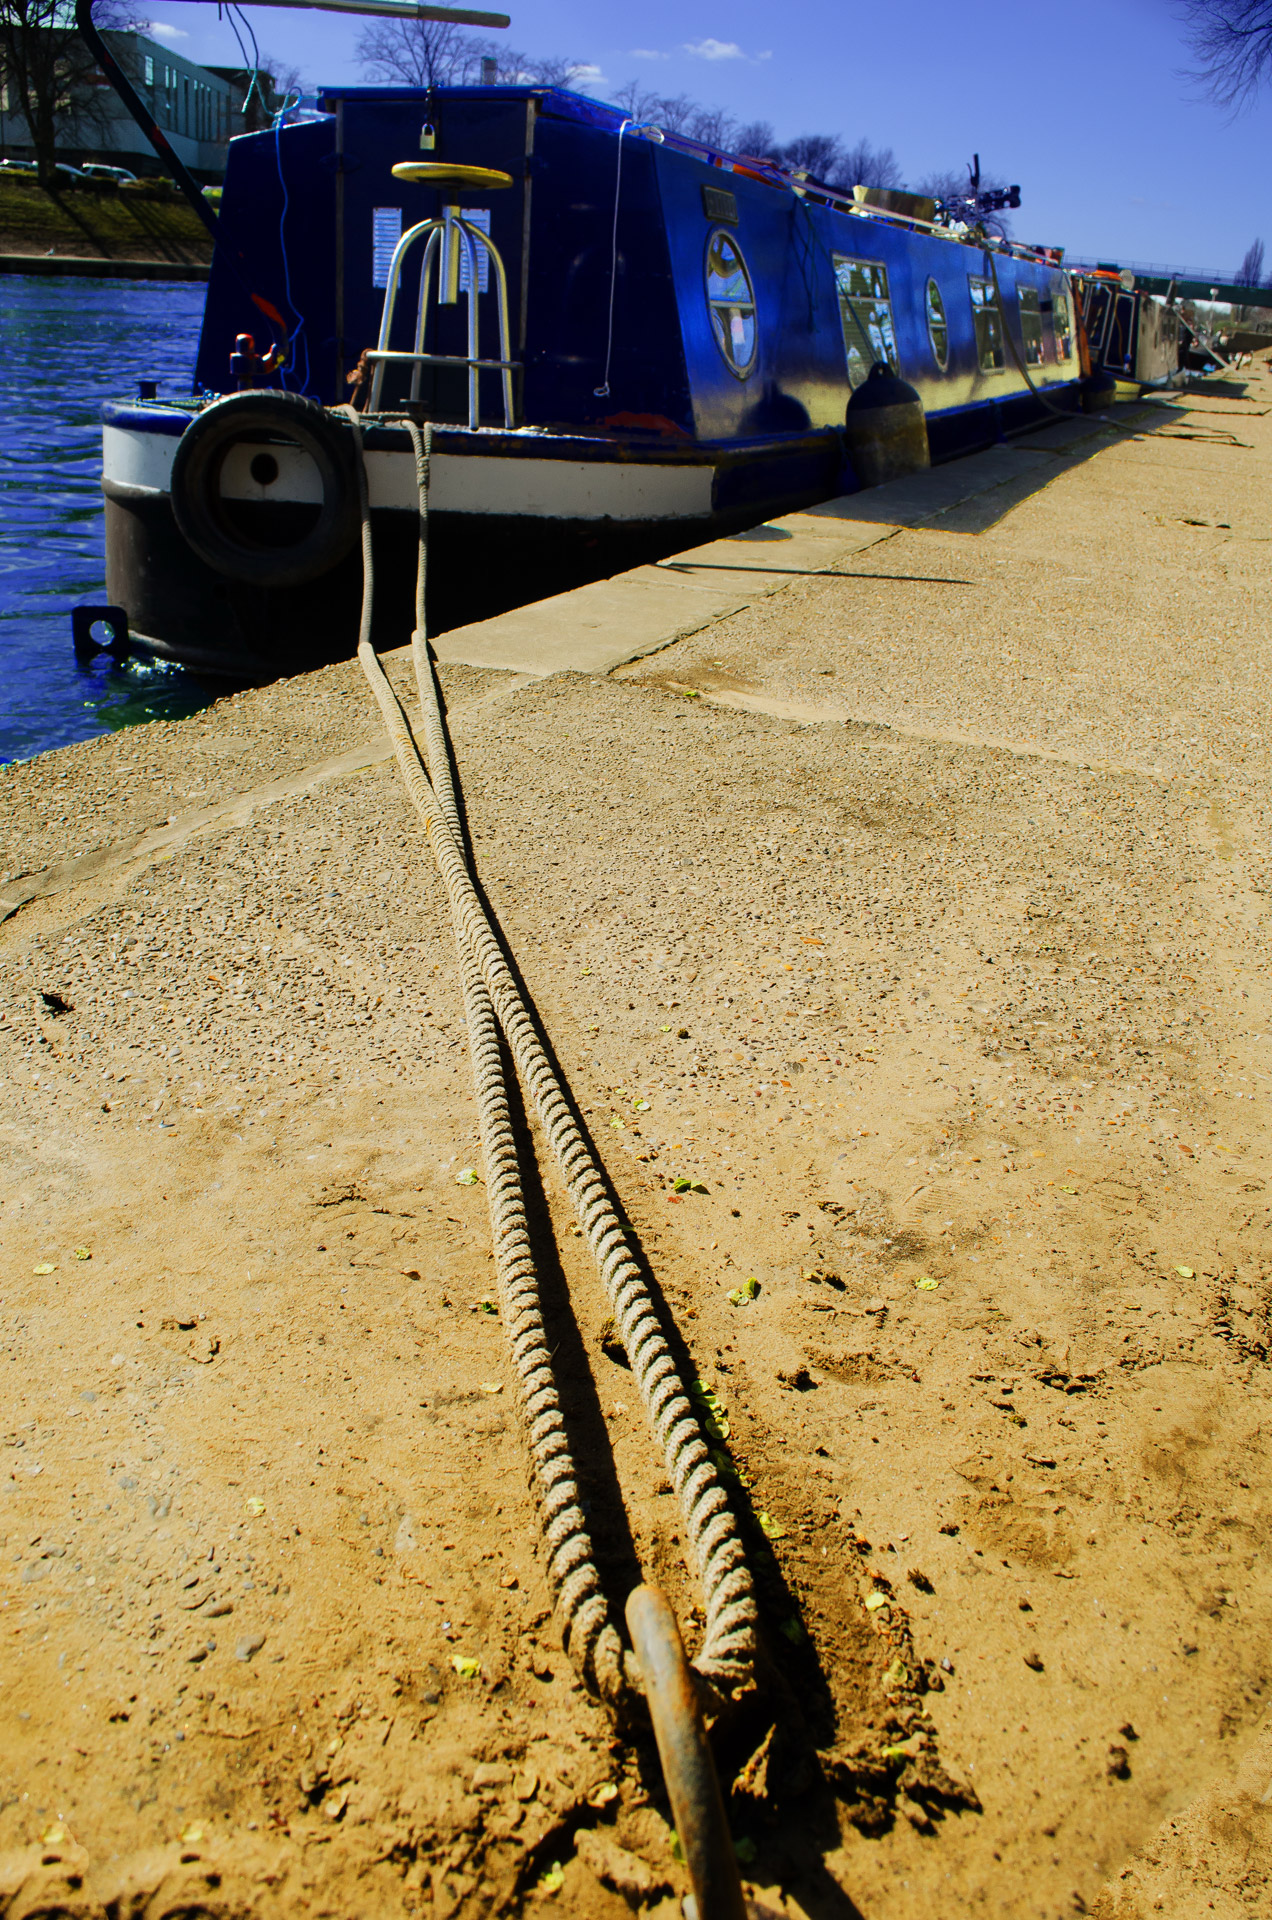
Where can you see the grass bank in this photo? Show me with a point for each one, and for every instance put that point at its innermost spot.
(100, 223)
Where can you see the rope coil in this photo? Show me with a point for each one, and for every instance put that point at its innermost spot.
(493, 1005)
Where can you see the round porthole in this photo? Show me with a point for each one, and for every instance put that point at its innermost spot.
(731, 303)
(938, 330)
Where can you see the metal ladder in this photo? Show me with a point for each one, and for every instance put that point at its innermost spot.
(447, 233)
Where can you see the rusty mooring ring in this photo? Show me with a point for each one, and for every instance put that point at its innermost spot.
(688, 1768)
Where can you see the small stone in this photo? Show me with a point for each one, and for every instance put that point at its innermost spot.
(199, 1654)
(1034, 1660)
(249, 1644)
(526, 1784)
(486, 1779)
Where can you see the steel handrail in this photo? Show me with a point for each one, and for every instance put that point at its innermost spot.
(381, 355)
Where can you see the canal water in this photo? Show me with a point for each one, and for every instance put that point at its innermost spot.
(65, 346)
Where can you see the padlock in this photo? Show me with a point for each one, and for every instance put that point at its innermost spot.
(428, 137)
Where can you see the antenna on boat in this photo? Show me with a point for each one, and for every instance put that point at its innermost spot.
(180, 173)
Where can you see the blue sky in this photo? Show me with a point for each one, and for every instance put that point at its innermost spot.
(1117, 154)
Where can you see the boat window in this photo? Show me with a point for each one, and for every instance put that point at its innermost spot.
(988, 320)
(865, 313)
(1062, 322)
(938, 330)
(1119, 350)
(1095, 313)
(731, 303)
(1030, 325)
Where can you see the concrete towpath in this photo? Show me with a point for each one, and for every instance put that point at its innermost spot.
(899, 875)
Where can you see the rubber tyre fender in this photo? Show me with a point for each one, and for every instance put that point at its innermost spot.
(196, 499)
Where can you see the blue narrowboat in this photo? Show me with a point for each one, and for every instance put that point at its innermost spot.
(626, 343)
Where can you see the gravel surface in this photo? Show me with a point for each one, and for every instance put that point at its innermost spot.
(965, 1039)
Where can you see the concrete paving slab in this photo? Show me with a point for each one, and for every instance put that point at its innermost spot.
(595, 628)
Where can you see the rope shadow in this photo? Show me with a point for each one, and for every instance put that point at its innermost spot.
(794, 1682)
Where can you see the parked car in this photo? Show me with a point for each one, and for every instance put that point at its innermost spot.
(98, 170)
(22, 168)
(69, 176)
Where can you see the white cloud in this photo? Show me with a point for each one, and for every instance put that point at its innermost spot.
(710, 49)
(586, 79)
(162, 31)
(647, 53)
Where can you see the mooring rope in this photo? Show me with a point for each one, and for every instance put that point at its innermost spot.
(492, 1002)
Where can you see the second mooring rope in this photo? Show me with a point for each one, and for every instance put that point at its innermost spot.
(492, 1002)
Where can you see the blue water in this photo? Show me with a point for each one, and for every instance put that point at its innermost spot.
(65, 346)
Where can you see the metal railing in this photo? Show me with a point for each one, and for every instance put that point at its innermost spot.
(447, 233)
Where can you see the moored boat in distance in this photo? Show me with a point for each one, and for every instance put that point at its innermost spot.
(626, 342)
(1131, 336)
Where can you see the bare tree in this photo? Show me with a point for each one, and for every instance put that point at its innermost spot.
(46, 69)
(755, 137)
(1250, 272)
(417, 53)
(674, 113)
(1232, 43)
(818, 154)
(867, 166)
(437, 53)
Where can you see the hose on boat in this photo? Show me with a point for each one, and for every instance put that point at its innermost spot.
(493, 1003)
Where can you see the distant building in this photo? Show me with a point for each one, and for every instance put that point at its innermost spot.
(200, 109)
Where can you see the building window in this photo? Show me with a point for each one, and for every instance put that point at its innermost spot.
(731, 303)
(988, 321)
(150, 69)
(1030, 325)
(938, 330)
(865, 314)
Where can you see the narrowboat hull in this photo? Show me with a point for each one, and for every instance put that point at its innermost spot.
(684, 332)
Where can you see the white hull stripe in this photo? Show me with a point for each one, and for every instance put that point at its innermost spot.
(466, 483)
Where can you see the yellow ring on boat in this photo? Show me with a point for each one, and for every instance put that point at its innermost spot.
(449, 173)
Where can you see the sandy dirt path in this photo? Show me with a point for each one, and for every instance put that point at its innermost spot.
(922, 920)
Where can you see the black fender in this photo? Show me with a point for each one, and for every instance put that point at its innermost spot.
(224, 539)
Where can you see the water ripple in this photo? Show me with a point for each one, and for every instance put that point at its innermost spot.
(65, 346)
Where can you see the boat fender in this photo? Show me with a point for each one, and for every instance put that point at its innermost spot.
(885, 429)
(1099, 390)
(217, 528)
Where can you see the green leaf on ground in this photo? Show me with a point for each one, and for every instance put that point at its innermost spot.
(714, 1418)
